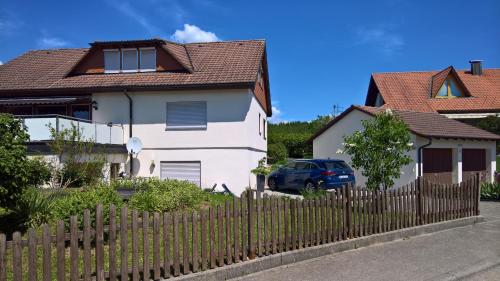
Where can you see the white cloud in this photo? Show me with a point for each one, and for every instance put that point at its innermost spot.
(277, 114)
(52, 42)
(192, 33)
(382, 38)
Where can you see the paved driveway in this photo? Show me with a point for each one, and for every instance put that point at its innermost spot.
(466, 253)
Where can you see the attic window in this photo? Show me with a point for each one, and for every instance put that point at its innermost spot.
(129, 60)
(449, 89)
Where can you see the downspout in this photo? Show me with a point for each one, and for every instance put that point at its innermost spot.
(130, 118)
(420, 171)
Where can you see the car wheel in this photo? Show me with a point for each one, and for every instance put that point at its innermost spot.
(271, 183)
(309, 185)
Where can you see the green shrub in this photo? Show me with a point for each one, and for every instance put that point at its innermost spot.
(157, 195)
(87, 173)
(490, 191)
(75, 203)
(311, 193)
(39, 171)
(276, 152)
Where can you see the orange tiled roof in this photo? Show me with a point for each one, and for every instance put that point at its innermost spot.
(412, 91)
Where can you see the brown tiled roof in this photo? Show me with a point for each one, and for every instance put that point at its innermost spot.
(211, 65)
(425, 124)
(412, 91)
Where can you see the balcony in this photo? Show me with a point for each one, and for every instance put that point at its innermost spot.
(37, 127)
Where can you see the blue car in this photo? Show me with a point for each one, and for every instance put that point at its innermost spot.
(312, 173)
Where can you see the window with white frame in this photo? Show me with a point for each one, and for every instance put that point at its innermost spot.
(112, 61)
(187, 115)
(129, 60)
(147, 59)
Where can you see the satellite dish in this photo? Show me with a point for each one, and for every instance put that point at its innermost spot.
(134, 145)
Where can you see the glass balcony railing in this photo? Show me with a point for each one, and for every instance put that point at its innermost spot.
(38, 126)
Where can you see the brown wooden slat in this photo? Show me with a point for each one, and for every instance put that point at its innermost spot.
(145, 246)
(300, 219)
(123, 244)
(211, 223)
(345, 231)
(328, 217)
(280, 224)
(273, 224)
(323, 220)
(244, 227)
(61, 271)
(383, 194)
(363, 212)
(317, 221)
(333, 197)
(340, 215)
(73, 249)
(32, 255)
(47, 274)
(286, 225)
(251, 225)
(3, 257)
(176, 255)
(349, 210)
(305, 211)
(156, 246)
(236, 230)
(220, 236)
(99, 243)
(267, 240)
(135, 246)
(185, 243)
(205, 243)
(227, 220)
(166, 244)
(293, 223)
(87, 256)
(112, 242)
(194, 230)
(258, 214)
(17, 258)
(360, 210)
(405, 205)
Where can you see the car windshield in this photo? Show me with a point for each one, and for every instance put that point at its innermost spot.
(334, 165)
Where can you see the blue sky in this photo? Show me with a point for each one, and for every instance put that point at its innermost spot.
(320, 53)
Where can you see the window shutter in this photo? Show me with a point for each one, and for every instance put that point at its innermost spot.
(187, 115)
(111, 61)
(129, 60)
(187, 171)
(148, 59)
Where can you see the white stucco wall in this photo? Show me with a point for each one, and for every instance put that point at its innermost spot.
(228, 149)
(327, 144)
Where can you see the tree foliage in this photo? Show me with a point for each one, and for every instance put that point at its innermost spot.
(276, 153)
(294, 135)
(380, 149)
(491, 124)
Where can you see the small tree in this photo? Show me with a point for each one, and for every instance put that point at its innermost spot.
(276, 153)
(77, 163)
(380, 150)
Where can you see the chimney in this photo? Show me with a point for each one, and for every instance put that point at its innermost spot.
(476, 67)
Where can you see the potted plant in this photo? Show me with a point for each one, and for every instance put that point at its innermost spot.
(261, 171)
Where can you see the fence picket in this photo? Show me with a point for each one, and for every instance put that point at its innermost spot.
(135, 246)
(344, 214)
(236, 230)
(156, 246)
(220, 236)
(194, 230)
(73, 250)
(87, 267)
(112, 243)
(99, 243)
(280, 225)
(293, 223)
(317, 224)
(204, 244)
(300, 218)
(185, 243)
(17, 258)
(244, 227)
(176, 255)
(265, 203)
(251, 226)
(3, 257)
(124, 244)
(258, 204)
(47, 274)
(229, 259)
(32, 255)
(334, 215)
(145, 245)
(328, 217)
(211, 226)
(286, 225)
(166, 245)
(60, 248)
(273, 224)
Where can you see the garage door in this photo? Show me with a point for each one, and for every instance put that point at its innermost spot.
(189, 171)
(438, 165)
(473, 161)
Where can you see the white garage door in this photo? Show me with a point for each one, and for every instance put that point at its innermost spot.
(190, 171)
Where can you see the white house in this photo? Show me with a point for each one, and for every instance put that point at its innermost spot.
(199, 109)
(444, 150)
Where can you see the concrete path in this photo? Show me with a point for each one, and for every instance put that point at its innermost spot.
(466, 253)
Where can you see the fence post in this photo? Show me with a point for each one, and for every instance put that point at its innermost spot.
(419, 201)
(477, 182)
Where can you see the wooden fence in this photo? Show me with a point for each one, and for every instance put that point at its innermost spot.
(141, 246)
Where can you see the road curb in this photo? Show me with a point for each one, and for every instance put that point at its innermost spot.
(268, 262)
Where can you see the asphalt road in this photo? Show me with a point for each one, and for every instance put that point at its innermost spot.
(466, 253)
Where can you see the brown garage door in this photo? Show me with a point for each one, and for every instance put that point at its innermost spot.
(473, 161)
(438, 166)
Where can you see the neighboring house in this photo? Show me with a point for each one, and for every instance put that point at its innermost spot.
(465, 95)
(444, 150)
(199, 109)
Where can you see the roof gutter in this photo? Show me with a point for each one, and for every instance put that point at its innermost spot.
(420, 170)
(130, 118)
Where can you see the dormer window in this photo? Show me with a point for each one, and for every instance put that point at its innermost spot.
(129, 60)
(449, 89)
(112, 61)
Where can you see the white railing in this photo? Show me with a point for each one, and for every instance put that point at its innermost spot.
(38, 128)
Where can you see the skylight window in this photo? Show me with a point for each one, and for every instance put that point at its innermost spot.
(449, 89)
